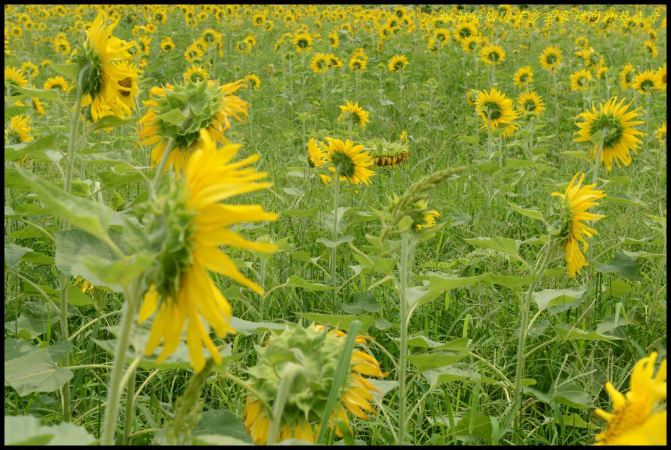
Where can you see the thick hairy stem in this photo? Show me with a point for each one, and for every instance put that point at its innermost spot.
(404, 275)
(336, 217)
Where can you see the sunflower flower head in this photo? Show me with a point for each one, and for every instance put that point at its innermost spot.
(573, 231)
(638, 418)
(349, 160)
(645, 82)
(615, 124)
(186, 226)
(177, 114)
(19, 130)
(550, 59)
(397, 63)
(109, 85)
(494, 108)
(530, 104)
(353, 114)
(314, 354)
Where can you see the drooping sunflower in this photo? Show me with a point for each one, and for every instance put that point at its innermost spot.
(580, 80)
(204, 105)
(196, 73)
(350, 161)
(313, 354)
(621, 135)
(645, 82)
(492, 54)
(19, 130)
(626, 76)
(494, 108)
(57, 82)
(385, 153)
(167, 44)
(109, 86)
(638, 418)
(352, 112)
(189, 224)
(523, 77)
(397, 63)
(530, 103)
(550, 59)
(577, 200)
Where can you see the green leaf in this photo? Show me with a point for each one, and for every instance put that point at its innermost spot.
(34, 371)
(69, 71)
(14, 253)
(573, 395)
(383, 386)
(510, 281)
(457, 345)
(531, 213)
(43, 94)
(498, 244)
(337, 321)
(92, 217)
(222, 424)
(375, 264)
(333, 244)
(447, 374)
(296, 281)
(551, 298)
(174, 117)
(247, 327)
(624, 264)
(568, 333)
(364, 302)
(428, 361)
(26, 430)
(577, 154)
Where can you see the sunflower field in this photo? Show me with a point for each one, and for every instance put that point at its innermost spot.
(335, 225)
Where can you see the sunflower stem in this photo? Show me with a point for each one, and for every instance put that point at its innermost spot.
(541, 264)
(161, 165)
(336, 218)
(289, 373)
(115, 386)
(404, 275)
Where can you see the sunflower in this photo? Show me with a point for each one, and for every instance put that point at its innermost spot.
(357, 64)
(19, 130)
(350, 161)
(530, 103)
(471, 96)
(660, 74)
(189, 225)
(253, 80)
(492, 54)
(626, 76)
(314, 354)
(333, 39)
(577, 200)
(167, 44)
(550, 59)
(193, 54)
(303, 42)
(353, 113)
(651, 48)
(37, 105)
(471, 43)
(204, 105)
(62, 46)
(645, 82)
(58, 83)
(397, 63)
(14, 77)
(638, 418)
(110, 84)
(319, 63)
(580, 80)
(30, 69)
(661, 133)
(465, 30)
(621, 137)
(385, 153)
(523, 77)
(441, 35)
(600, 72)
(428, 219)
(316, 153)
(196, 73)
(144, 45)
(494, 108)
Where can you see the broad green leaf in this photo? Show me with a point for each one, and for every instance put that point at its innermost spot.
(624, 264)
(375, 263)
(114, 274)
(222, 424)
(247, 327)
(568, 333)
(364, 302)
(69, 71)
(14, 253)
(43, 94)
(531, 213)
(624, 199)
(550, 298)
(35, 371)
(510, 281)
(428, 361)
(383, 386)
(26, 430)
(457, 345)
(334, 243)
(573, 420)
(577, 154)
(573, 395)
(296, 281)
(341, 322)
(447, 374)
(498, 244)
(175, 117)
(92, 217)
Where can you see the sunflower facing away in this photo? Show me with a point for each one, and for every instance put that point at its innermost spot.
(550, 59)
(637, 418)
(577, 200)
(314, 354)
(179, 113)
(19, 130)
(110, 84)
(621, 137)
(494, 108)
(351, 161)
(523, 77)
(189, 225)
(353, 113)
